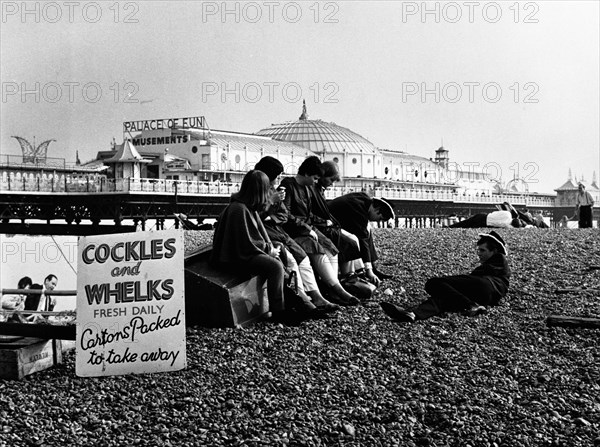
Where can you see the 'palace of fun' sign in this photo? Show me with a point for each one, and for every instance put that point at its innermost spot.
(130, 304)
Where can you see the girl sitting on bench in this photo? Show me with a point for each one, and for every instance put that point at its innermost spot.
(241, 243)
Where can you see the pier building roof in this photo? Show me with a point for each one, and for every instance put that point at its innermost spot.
(573, 184)
(406, 157)
(319, 136)
(126, 153)
(255, 143)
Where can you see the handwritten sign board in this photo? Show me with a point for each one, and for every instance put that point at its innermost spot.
(130, 304)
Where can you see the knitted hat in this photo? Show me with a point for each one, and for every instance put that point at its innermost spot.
(270, 166)
(497, 240)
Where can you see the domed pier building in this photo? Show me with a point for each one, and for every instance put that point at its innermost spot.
(186, 149)
(365, 166)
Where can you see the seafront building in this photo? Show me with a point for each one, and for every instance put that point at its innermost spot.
(186, 149)
(184, 156)
(366, 166)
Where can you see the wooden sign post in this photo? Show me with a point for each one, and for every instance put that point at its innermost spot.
(130, 304)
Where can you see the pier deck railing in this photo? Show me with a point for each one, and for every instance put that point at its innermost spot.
(420, 195)
(100, 184)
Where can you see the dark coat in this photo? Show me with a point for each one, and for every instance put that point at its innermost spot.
(273, 219)
(239, 236)
(298, 201)
(497, 271)
(320, 208)
(321, 214)
(352, 211)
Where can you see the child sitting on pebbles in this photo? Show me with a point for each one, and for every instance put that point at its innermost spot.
(469, 293)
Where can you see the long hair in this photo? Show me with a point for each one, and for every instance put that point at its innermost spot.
(255, 191)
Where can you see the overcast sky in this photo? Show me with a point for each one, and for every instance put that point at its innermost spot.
(513, 85)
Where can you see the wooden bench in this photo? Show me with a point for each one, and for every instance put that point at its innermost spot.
(218, 298)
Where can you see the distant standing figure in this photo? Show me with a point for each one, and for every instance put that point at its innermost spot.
(584, 204)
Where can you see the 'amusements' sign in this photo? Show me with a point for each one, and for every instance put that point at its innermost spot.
(130, 304)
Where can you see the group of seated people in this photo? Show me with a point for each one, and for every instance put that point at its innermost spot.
(272, 228)
(38, 300)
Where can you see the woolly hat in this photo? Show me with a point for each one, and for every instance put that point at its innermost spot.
(270, 166)
(494, 237)
(386, 210)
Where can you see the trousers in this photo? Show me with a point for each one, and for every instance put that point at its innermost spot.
(454, 294)
(475, 221)
(585, 216)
